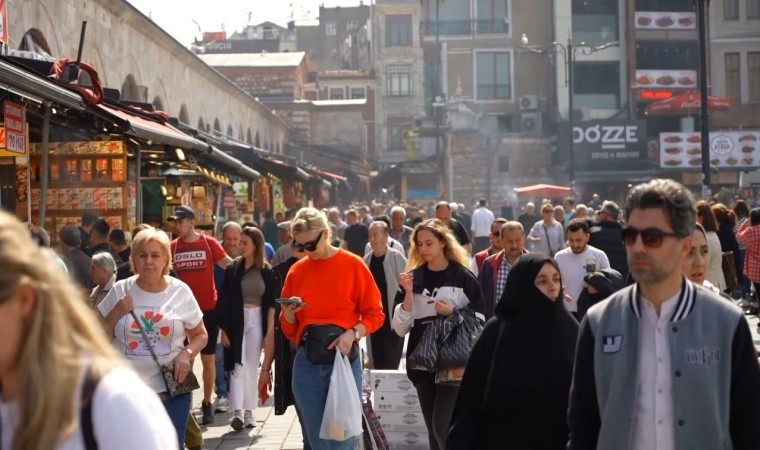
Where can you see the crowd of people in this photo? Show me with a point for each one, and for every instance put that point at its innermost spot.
(584, 316)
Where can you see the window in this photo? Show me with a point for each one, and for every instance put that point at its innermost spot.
(595, 22)
(667, 55)
(399, 80)
(398, 30)
(665, 6)
(753, 9)
(492, 16)
(351, 25)
(358, 93)
(337, 94)
(733, 77)
(331, 29)
(597, 85)
(396, 128)
(753, 76)
(493, 75)
(730, 9)
(503, 163)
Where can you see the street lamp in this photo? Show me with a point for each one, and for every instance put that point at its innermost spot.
(569, 52)
(704, 117)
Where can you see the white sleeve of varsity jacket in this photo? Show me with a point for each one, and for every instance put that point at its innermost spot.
(402, 320)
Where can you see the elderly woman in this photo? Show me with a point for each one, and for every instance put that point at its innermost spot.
(103, 274)
(55, 359)
(168, 314)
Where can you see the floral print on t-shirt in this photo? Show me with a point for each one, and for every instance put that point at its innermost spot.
(158, 326)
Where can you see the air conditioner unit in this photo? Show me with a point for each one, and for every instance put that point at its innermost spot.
(530, 122)
(528, 103)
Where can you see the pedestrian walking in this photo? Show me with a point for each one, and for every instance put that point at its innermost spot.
(514, 393)
(482, 218)
(398, 230)
(547, 235)
(283, 251)
(245, 299)
(386, 265)
(103, 274)
(63, 385)
(443, 212)
(194, 257)
(437, 283)
(77, 262)
(741, 210)
(124, 270)
(356, 235)
(599, 285)
(646, 351)
(749, 235)
(695, 264)
(476, 264)
(493, 277)
(607, 237)
(726, 220)
(85, 230)
(117, 243)
(528, 218)
(338, 291)
(707, 219)
(168, 314)
(577, 261)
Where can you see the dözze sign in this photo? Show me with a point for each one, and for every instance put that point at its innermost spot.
(607, 142)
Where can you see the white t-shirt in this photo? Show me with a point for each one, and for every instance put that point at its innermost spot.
(164, 316)
(126, 415)
(574, 267)
(482, 218)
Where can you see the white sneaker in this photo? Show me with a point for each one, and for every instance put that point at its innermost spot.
(248, 420)
(237, 421)
(221, 405)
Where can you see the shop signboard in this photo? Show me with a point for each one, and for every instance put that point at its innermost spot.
(13, 138)
(738, 150)
(608, 144)
(670, 79)
(4, 22)
(650, 20)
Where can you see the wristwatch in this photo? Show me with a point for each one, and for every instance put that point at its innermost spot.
(189, 351)
(356, 332)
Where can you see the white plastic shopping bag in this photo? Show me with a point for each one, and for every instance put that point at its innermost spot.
(342, 418)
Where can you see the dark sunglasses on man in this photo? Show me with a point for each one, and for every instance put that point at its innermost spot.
(307, 246)
(650, 237)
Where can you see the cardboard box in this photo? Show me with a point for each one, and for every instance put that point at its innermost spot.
(396, 401)
(408, 441)
(390, 381)
(402, 422)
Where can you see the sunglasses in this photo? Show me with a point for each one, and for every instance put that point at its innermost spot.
(307, 246)
(651, 237)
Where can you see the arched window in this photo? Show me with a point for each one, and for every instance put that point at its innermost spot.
(184, 117)
(230, 132)
(129, 89)
(34, 41)
(217, 128)
(158, 104)
(257, 141)
(248, 137)
(202, 125)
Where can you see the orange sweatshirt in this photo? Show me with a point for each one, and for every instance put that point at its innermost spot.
(339, 290)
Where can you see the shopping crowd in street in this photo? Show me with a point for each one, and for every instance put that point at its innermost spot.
(573, 326)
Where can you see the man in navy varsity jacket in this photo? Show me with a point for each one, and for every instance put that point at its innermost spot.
(664, 364)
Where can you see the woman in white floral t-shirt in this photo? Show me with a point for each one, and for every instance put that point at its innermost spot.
(169, 315)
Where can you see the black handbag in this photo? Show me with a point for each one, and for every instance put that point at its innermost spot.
(729, 269)
(318, 337)
(173, 387)
(460, 331)
(425, 354)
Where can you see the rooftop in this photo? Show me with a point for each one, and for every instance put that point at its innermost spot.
(286, 59)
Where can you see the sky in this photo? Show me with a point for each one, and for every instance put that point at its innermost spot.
(183, 18)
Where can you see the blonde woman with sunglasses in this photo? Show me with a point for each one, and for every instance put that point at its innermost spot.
(62, 385)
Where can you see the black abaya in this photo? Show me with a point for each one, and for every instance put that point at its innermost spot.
(527, 403)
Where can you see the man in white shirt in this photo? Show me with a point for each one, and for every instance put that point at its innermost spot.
(576, 261)
(482, 218)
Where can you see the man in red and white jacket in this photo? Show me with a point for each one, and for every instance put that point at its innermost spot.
(493, 275)
(476, 264)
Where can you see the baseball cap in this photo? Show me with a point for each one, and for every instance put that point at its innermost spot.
(182, 212)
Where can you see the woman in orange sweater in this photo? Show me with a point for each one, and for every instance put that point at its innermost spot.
(342, 305)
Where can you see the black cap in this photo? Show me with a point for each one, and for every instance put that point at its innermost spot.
(182, 212)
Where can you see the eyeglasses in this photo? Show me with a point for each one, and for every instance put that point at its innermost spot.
(307, 246)
(651, 237)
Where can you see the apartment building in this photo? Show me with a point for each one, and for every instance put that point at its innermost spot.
(322, 41)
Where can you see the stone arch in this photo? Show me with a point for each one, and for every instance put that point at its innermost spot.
(248, 137)
(201, 125)
(257, 140)
(158, 103)
(230, 132)
(240, 134)
(129, 89)
(184, 117)
(217, 126)
(34, 41)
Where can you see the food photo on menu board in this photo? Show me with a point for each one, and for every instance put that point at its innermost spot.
(733, 149)
(666, 78)
(666, 20)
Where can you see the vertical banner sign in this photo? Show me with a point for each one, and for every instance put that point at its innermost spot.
(4, 22)
(14, 143)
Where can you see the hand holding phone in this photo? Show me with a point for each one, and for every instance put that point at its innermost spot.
(291, 301)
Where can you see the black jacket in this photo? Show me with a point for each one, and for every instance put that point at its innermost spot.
(607, 237)
(728, 243)
(229, 309)
(284, 350)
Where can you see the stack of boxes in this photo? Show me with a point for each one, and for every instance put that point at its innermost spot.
(398, 410)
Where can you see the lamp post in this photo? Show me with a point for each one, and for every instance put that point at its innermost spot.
(569, 52)
(704, 116)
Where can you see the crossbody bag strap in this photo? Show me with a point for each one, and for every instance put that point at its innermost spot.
(489, 379)
(548, 241)
(145, 337)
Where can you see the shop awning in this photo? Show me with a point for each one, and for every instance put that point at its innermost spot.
(542, 190)
(146, 129)
(231, 162)
(26, 84)
(277, 166)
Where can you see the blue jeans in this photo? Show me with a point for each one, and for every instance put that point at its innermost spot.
(222, 377)
(310, 385)
(305, 437)
(178, 409)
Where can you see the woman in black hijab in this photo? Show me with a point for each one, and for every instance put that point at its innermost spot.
(515, 389)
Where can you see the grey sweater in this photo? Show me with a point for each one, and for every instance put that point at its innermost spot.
(716, 377)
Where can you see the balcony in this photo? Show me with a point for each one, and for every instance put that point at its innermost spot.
(465, 27)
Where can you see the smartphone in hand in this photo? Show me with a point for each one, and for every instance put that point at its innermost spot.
(291, 301)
